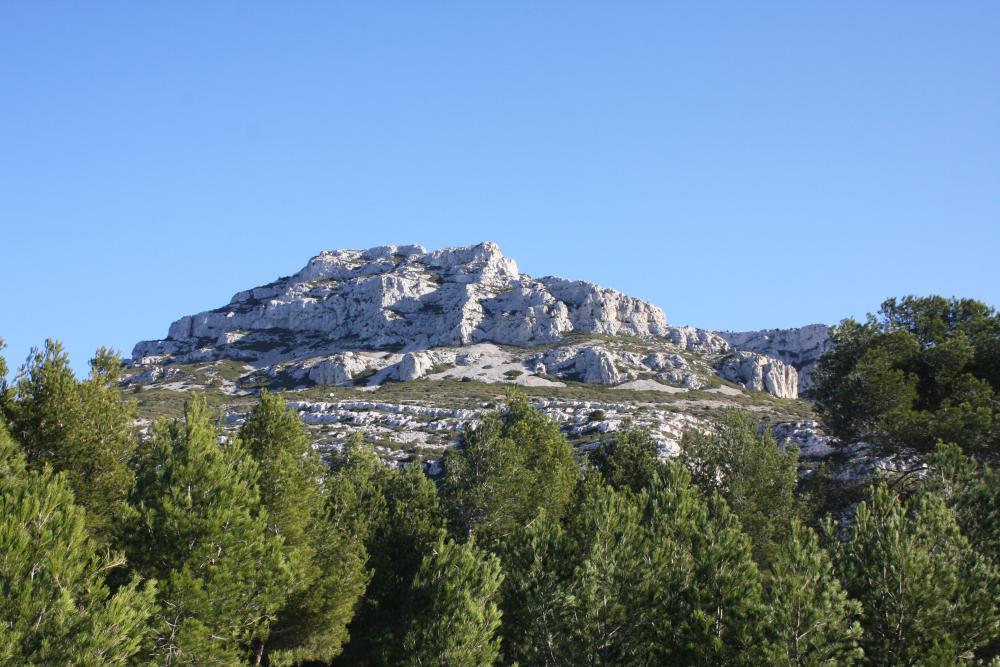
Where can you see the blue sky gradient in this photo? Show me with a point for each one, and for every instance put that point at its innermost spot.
(742, 165)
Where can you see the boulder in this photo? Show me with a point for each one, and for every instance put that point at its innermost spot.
(338, 370)
(585, 363)
(414, 365)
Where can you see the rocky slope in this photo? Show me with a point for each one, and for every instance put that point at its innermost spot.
(403, 298)
(401, 313)
(409, 347)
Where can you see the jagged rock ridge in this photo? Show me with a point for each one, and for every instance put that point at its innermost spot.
(403, 298)
(402, 313)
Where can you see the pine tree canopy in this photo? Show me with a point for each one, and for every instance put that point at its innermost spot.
(56, 607)
(203, 534)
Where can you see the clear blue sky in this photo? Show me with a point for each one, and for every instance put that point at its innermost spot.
(743, 165)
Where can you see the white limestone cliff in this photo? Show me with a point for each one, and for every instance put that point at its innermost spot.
(761, 373)
(404, 297)
(801, 346)
(401, 313)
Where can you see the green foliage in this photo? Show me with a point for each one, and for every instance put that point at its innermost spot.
(755, 476)
(662, 577)
(357, 502)
(972, 491)
(57, 608)
(289, 470)
(538, 562)
(264, 554)
(410, 527)
(83, 429)
(815, 622)
(716, 611)
(599, 605)
(928, 598)
(926, 369)
(629, 459)
(455, 616)
(327, 564)
(202, 532)
(512, 465)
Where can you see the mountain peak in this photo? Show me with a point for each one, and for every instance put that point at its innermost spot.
(403, 296)
(401, 312)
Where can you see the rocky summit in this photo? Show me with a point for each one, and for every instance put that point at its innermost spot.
(410, 346)
(399, 313)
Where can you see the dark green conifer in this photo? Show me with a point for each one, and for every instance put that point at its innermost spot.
(410, 528)
(658, 577)
(56, 607)
(928, 598)
(82, 429)
(455, 616)
(515, 463)
(326, 563)
(629, 459)
(203, 534)
(809, 612)
(746, 467)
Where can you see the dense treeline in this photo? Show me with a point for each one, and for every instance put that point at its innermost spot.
(183, 546)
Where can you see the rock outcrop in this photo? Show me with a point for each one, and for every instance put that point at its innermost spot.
(353, 318)
(761, 373)
(340, 369)
(801, 347)
(401, 298)
(700, 341)
(587, 363)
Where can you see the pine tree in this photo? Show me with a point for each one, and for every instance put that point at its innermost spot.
(629, 459)
(327, 564)
(814, 620)
(538, 562)
(455, 616)
(506, 469)
(356, 489)
(972, 490)
(658, 577)
(601, 608)
(410, 528)
(82, 429)
(755, 476)
(202, 533)
(923, 369)
(57, 608)
(705, 582)
(927, 596)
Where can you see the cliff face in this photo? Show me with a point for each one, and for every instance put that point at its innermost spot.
(404, 298)
(800, 347)
(401, 313)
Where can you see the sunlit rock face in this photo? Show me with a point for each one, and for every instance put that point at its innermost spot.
(761, 373)
(403, 297)
(399, 313)
(801, 346)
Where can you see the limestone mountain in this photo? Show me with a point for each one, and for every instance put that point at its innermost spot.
(410, 348)
(364, 317)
